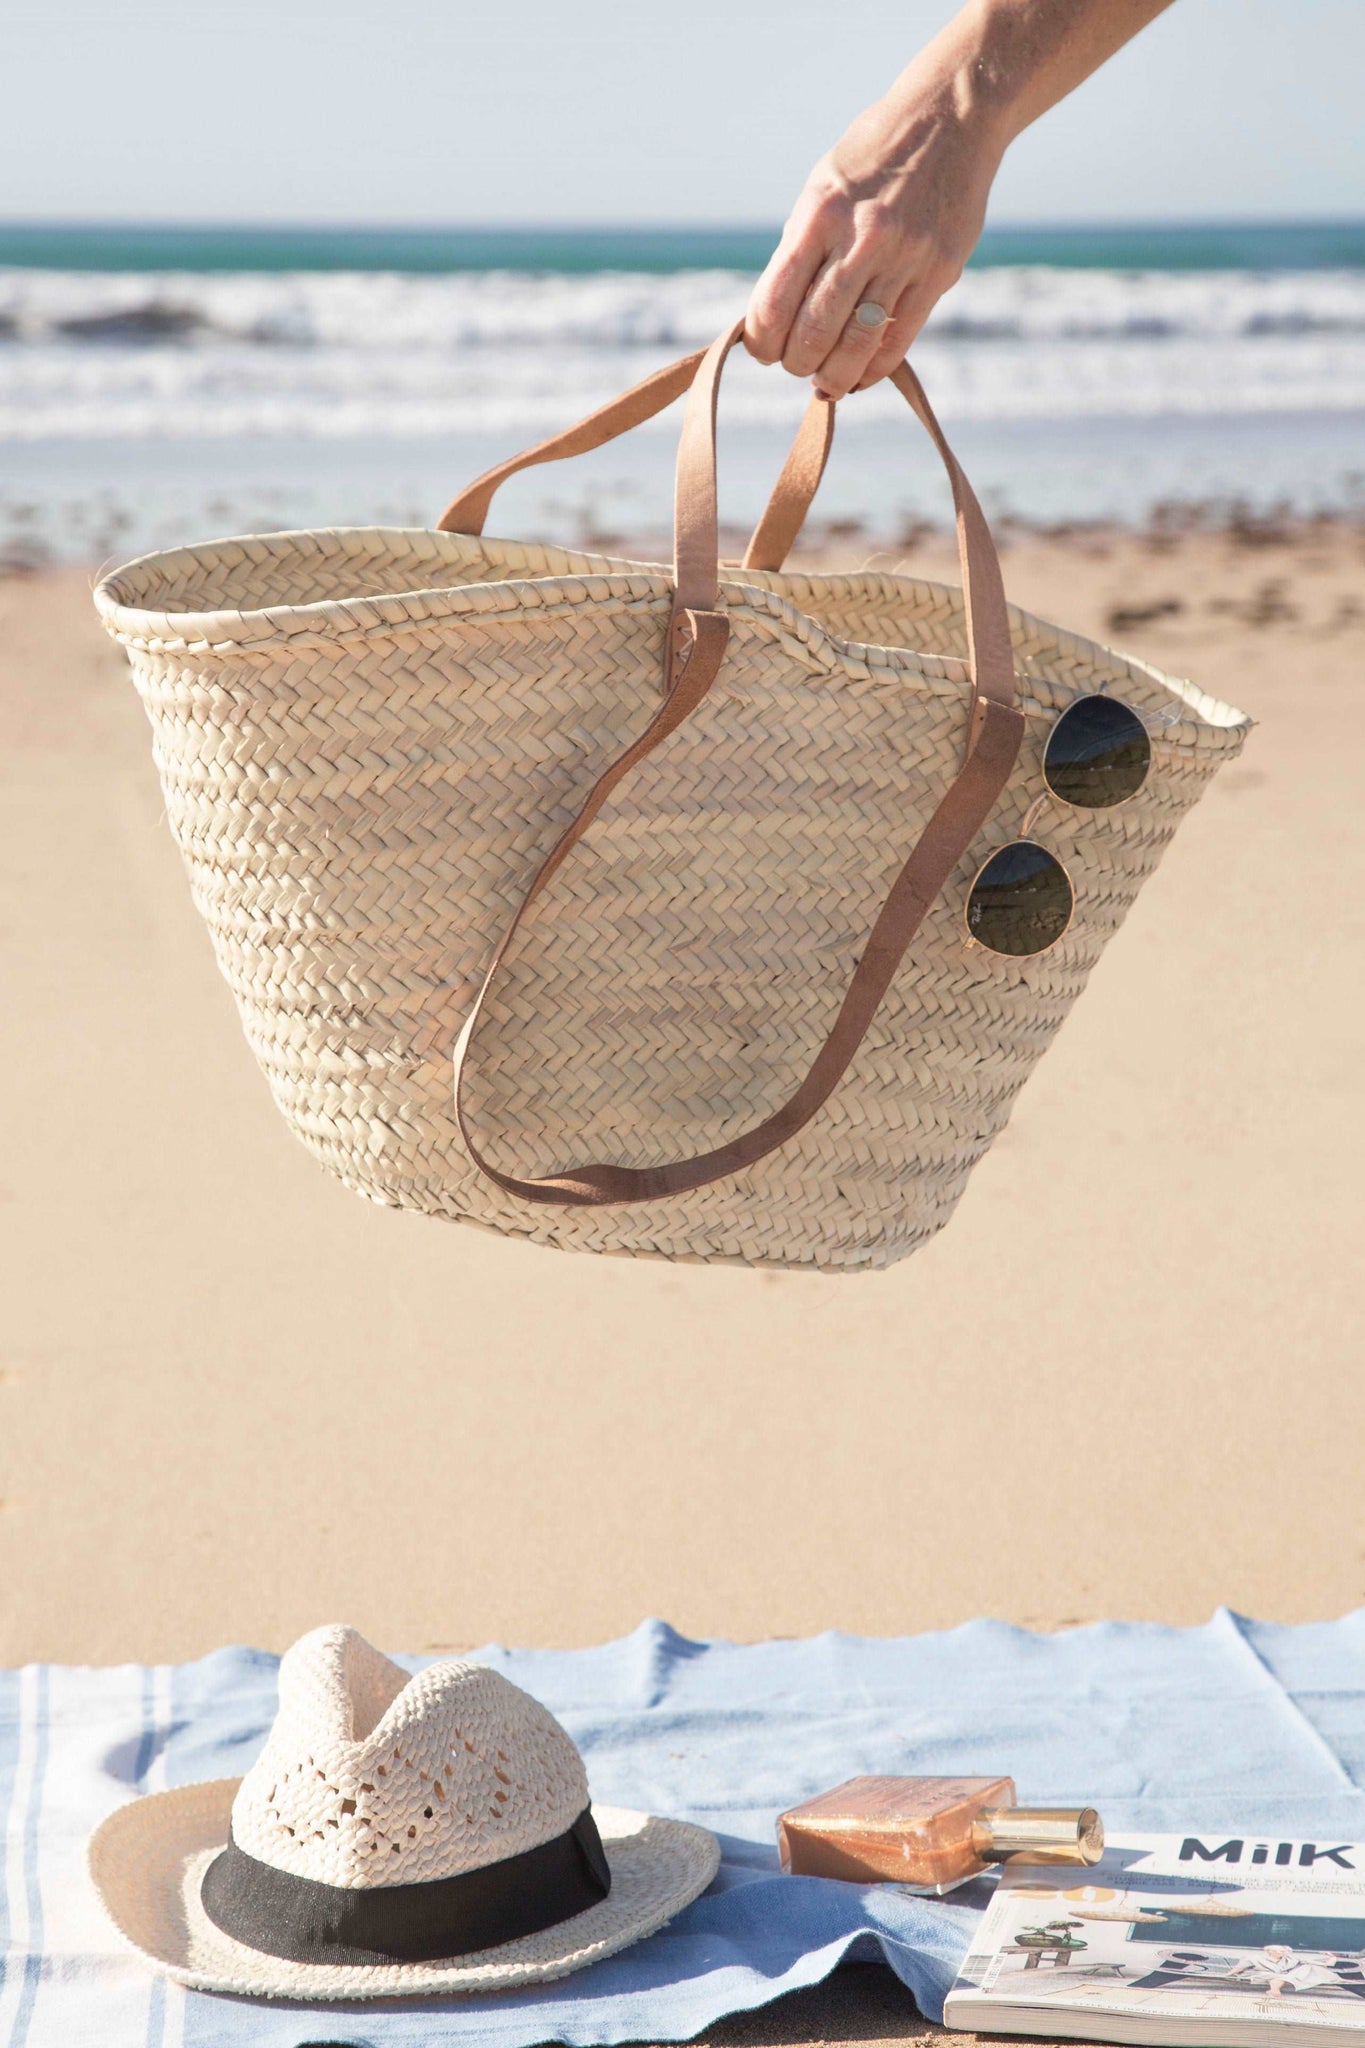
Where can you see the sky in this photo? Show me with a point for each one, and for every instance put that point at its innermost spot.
(704, 111)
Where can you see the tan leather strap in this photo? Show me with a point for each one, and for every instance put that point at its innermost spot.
(694, 650)
(989, 648)
(776, 532)
(943, 842)
(800, 480)
(696, 516)
(696, 525)
(467, 512)
(786, 510)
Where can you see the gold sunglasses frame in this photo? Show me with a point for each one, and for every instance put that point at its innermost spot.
(1024, 836)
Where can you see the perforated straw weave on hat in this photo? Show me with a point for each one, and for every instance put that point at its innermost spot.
(395, 1836)
(373, 742)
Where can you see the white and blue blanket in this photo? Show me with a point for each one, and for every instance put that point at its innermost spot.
(1237, 1725)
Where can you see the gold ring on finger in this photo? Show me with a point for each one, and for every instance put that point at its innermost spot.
(870, 314)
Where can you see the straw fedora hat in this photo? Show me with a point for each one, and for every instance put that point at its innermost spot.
(396, 1835)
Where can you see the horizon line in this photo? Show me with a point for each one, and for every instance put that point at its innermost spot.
(228, 223)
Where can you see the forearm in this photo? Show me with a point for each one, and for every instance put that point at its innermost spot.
(890, 215)
(999, 64)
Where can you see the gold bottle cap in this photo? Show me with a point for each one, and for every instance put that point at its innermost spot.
(1038, 1834)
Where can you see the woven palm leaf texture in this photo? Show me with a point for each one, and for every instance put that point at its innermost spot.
(370, 739)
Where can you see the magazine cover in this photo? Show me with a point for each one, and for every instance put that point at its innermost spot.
(1215, 1938)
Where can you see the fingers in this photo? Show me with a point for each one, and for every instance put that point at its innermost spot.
(836, 254)
(781, 291)
(854, 347)
(822, 319)
(893, 341)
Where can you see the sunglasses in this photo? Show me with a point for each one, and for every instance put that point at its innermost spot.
(1097, 756)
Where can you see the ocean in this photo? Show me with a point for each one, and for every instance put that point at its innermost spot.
(159, 384)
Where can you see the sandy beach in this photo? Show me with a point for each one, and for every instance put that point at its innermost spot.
(235, 1400)
(1122, 1386)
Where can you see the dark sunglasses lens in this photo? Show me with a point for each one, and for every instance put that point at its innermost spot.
(1021, 901)
(1098, 755)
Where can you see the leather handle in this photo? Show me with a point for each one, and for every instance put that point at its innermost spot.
(695, 648)
(467, 511)
(794, 493)
(776, 533)
(787, 508)
(990, 651)
(696, 525)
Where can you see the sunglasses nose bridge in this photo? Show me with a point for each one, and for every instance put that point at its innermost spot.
(1034, 812)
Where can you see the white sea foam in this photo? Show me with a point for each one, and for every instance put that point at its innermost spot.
(368, 311)
(347, 355)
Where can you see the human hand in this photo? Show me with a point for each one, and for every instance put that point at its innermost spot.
(890, 216)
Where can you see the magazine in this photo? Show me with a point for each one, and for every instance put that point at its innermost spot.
(1212, 1938)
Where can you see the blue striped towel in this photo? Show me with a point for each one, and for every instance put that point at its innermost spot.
(1234, 1725)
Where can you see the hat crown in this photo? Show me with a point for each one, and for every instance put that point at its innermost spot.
(370, 1777)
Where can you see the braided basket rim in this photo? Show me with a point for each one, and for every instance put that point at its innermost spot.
(603, 579)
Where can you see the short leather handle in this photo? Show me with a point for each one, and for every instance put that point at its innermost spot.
(990, 651)
(694, 650)
(467, 511)
(786, 510)
(776, 533)
(696, 524)
(789, 507)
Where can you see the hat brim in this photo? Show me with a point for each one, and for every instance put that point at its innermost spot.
(148, 1858)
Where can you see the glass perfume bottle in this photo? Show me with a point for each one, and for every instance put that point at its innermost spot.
(929, 1833)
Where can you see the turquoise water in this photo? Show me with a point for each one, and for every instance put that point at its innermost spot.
(576, 252)
(160, 382)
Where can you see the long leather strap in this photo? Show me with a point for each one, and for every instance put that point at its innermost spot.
(694, 650)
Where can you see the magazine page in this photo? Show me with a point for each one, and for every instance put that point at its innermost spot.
(1209, 1932)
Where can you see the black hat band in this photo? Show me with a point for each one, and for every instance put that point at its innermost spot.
(304, 1921)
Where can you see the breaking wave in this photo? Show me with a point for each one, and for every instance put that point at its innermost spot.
(87, 354)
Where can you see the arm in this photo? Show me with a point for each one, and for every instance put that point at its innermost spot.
(892, 213)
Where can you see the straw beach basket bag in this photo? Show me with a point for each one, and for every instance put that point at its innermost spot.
(621, 907)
